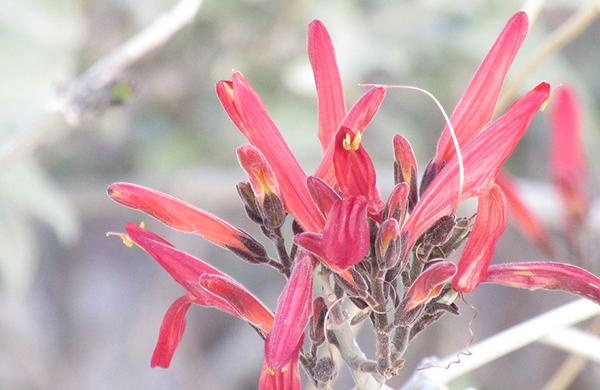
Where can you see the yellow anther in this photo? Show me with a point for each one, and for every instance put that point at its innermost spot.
(142, 225)
(127, 241)
(352, 144)
(271, 371)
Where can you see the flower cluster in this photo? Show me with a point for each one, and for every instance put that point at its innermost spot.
(388, 256)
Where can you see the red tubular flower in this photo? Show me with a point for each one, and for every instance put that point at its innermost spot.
(483, 157)
(484, 89)
(332, 108)
(346, 237)
(489, 225)
(184, 217)
(357, 119)
(249, 114)
(294, 307)
(546, 276)
(527, 222)
(429, 284)
(354, 170)
(287, 378)
(206, 286)
(405, 167)
(569, 167)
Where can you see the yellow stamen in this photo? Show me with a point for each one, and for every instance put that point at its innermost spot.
(271, 371)
(352, 144)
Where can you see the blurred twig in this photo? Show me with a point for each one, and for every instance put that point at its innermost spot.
(505, 342)
(570, 29)
(87, 93)
(572, 366)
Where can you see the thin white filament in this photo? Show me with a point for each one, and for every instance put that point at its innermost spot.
(461, 168)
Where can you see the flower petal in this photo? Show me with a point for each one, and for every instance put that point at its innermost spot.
(250, 115)
(286, 378)
(188, 272)
(346, 237)
(546, 276)
(354, 170)
(489, 225)
(233, 294)
(520, 214)
(429, 284)
(569, 167)
(292, 314)
(332, 108)
(185, 217)
(476, 106)
(357, 119)
(171, 332)
(483, 157)
(322, 194)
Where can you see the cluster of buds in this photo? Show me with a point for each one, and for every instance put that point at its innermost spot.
(386, 260)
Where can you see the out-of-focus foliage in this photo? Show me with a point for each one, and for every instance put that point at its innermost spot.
(36, 55)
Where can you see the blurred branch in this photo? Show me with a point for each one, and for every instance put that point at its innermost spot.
(571, 367)
(569, 30)
(91, 91)
(540, 328)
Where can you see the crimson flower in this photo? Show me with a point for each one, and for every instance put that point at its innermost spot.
(343, 225)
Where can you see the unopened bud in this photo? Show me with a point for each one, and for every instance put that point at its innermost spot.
(387, 244)
(317, 328)
(249, 199)
(440, 232)
(272, 211)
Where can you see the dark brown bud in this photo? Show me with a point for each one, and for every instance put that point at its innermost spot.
(440, 232)
(272, 211)
(317, 328)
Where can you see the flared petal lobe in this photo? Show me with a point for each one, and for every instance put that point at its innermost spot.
(357, 119)
(330, 94)
(322, 194)
(491, 220)
(294, 307)
(249, 114)
(522, 216)
(429, 284)
(546, 276)
(171, 332)
(354, 170)
(476, 107)
(346, 238)
(185, 217)
(569, 167)
(483, 157)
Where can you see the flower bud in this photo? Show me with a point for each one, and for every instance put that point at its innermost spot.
(387, 244)
(249, 199)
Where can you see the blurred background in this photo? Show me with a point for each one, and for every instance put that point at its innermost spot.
(81, 311)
